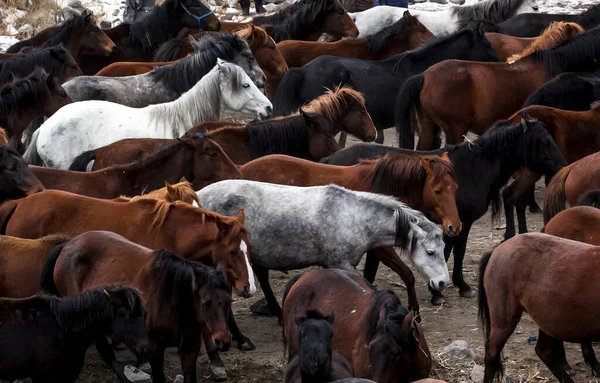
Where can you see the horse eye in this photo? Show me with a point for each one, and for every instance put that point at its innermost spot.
(250, 57)
(232, 252)
(246, 85)
(430, 252)
(438, 192)
(11, 169)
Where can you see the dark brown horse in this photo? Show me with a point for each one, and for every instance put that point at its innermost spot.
(460, 96)
(16, 180)
(387, 344)
(571, 183)
(184, 299)
(54, 60)
(520, 276)
(198, 158)
(46, 338)
(37, 95)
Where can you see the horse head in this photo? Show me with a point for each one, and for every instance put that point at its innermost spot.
(540, 151)
(265, 50)
(315, 334)
(16, 179)
(336, 21)
(195, 14)
(321, 142)
(93, 39)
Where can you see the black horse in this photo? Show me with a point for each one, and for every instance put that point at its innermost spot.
(568, 91)
(533, 24)
(378, 81)
(16, 179)
(46, 337)
(482, 167)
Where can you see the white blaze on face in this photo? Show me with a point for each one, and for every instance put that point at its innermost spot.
(244, 249)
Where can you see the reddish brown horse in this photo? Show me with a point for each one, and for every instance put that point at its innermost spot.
(191, 232)
(511, 48)
(424, 183)
(571, 183)
(181, 191)
(184, 299)
(199, 159)
(387, 344)
(520, 276)
(459, 96)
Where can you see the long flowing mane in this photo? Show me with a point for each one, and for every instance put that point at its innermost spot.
(287, 135)
(20, 94)
(579, 54)
(494, 11)
(173, 285)
(380, 40)
(554, 35)
(70, 28)
(184, 74)
(298, 24)
(589, 18)
(335, 104)
(51, 59)
(154, 28)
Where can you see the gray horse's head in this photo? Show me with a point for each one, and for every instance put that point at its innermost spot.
(425, 243)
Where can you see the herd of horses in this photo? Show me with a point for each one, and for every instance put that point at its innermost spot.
(131, 210)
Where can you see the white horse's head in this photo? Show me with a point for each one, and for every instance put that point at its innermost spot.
(239, 93)
(527, 6)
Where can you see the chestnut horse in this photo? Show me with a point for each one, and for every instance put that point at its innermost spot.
(198, 158)
(185, 301)
(460, 96)
(424, 183)
(570, 184)
(520, 276)
(511, 48)
(387, 344)
(181, 191)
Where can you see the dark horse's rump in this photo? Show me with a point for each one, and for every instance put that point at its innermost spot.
(568, 91)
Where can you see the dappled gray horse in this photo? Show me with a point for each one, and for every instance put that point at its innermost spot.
(295, 227)
(167, 83)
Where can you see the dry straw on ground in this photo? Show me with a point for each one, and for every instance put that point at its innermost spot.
(40, 14)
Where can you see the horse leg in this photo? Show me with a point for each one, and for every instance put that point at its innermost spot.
(428, 135)
(342, 140)
(244, 343)
(371, 266)
(108, 356)
(507, 198)
(590, 358)
(460, 248)
(552, 352)
(273, 307)
(157, 361)
(533, 205)
(390, 258)
(437, 298)
(217, 367)
(503, 321)
(188, 352)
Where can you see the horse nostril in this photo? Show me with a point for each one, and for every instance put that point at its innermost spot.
(441, 285)
(269, 110)
(246, 291)
(451, 229)
(218, 344)
(535, 8)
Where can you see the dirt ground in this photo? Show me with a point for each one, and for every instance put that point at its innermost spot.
(455, 320)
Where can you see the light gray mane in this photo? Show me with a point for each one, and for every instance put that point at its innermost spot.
(494, 11)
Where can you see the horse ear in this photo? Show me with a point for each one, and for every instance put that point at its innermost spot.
(330, 318)
(220, 225)
(407, 17)
(170, 188)
(221, 268)
(240, 215)
(481, 28)
(444, 157)
(183, 179)
(426, 165)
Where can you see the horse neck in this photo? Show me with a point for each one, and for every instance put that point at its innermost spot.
(423, 58)
(189, 109)
(379, 222)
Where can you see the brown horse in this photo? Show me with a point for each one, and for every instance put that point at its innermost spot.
(181, 191)
(459, 96)
(511, 48)
(520, 276)
(130, 68)
(387, 344)
(38, 94)
(570, 184)
(183, 299)
(198, 158)
(424, 183)
(211, 238)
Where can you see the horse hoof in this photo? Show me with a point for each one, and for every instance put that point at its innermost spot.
(535, 209)
(219, 373)
(246, 345)
(438, 300)
(178, 379)
(261, 308)
(470, 293)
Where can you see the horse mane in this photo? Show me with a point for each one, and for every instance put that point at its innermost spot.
(69, 28)
(182, 75)
(298, 23)
(287, 135)
(253, 35)
(589, 18)
(55, 239)
(576, 55)
(51, 59)
(154, 28)
(279, 16)
(335, 104)
(78, 312)
(397, 174)
(494, 11)
(22, 93)
(174, 282)
(380, 40)
(181, 191)
(554, 35)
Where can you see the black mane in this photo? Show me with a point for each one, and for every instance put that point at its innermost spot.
(589, 18)
(288, 135)
(21, 94)
(301, 20)
(69, 29)
(51, 59)
(154, 28)
(279, 16)
(379, 41)
(184, 74)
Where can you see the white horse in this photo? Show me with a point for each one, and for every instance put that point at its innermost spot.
(448, 21)
(295, 227)
(88, 125)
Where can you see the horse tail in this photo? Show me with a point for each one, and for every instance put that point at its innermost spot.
(80, 163)
(287, 100)
(31, 155)
(406, 98)
(484, 313)
(591, 198)
(556, 197)
(47, 284)
(168, 51)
